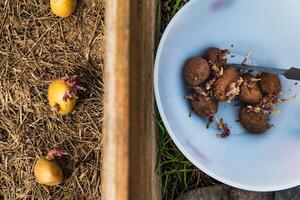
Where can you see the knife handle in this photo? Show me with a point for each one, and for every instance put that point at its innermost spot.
(293, 73)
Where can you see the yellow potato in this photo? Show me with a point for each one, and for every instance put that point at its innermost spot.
(61, 96)
(48, 172)
(63, 8)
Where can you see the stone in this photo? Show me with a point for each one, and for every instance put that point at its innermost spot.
(206, 193)
(224, 192)
(290, 194)
(237, 194)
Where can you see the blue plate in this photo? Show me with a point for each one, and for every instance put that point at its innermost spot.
(271, 30)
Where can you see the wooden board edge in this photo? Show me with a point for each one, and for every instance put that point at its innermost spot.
(130, 136)
(143, 177)
(115, 175)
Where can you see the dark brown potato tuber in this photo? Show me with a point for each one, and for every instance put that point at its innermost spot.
(211, 81)
(220, 87)
(216, 56)
(254, 122)
(196, 71)
(204, 106)
(250, 92)
(269, 83)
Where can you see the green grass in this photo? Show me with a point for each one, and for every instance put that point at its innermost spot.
(178, 175)
(177, 5)
(168, 9)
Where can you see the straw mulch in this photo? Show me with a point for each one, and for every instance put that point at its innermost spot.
(35, 48)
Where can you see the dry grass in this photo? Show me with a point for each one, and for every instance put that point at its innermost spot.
(36, 47)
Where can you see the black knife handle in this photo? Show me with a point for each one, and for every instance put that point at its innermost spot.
(293, 73)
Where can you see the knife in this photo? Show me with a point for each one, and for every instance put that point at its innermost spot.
(292, 73)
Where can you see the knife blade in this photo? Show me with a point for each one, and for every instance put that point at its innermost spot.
(292, 73)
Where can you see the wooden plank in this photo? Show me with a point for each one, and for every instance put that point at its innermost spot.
(116, 102)
(129, 126)
(144, 182)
